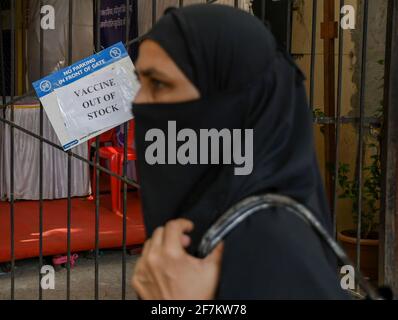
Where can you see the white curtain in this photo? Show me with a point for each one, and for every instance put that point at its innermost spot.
(27, 157)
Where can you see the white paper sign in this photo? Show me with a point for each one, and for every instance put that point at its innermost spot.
(89, 97)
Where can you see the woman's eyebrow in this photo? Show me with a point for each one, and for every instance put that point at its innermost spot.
(150, 72)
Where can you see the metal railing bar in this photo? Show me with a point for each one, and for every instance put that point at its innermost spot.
(388, 263)
(41, 164)
(69, 201)
(135, 40)
(69, 220)
(338, 126)
(289, 26)
(361, 128)
(154, 12)
(97, 159)
(17, 99)
(12, 169)
(74, 155)
(126, 127)
(313, 49)
(348, 120)
(125, 162)
(2, 72)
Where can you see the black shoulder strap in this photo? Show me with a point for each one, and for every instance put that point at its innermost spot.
(244, 209)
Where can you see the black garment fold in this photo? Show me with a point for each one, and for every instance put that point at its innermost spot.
(245, 82)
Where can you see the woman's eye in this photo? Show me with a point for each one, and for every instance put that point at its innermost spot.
(157, 84)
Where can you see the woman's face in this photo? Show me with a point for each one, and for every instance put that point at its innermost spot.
(161, 79)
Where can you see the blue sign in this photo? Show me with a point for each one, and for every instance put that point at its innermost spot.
(80, 69)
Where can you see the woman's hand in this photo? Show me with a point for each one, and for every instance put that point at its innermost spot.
(167, 272)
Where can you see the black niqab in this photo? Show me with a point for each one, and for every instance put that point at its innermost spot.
(245, 82)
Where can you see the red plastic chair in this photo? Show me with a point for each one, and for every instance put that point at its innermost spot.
(115, 155)
(131, 156)
(106, 137)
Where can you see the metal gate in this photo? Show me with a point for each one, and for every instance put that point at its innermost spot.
(331, 119)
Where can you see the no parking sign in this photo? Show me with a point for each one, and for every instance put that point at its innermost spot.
(90, 96)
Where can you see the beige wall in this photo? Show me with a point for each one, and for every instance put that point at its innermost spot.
(301, 45)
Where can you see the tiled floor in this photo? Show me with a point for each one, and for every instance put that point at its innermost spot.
(82, 279)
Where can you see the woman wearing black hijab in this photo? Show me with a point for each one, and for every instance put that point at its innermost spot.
(235, 78)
